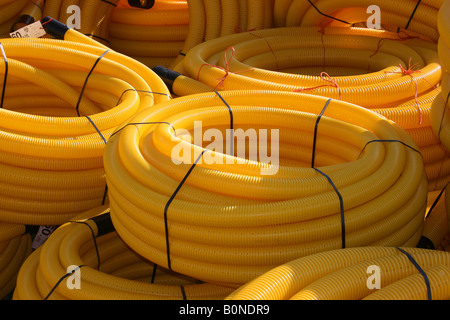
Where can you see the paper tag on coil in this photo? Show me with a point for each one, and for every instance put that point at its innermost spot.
(33, 30)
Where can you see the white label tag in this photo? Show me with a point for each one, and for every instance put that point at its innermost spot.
(42, 235)
(33, 30)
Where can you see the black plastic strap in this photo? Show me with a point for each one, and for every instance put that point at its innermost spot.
(398, 141)
(60, 280)
(183, 292)
(94, 238)
(154, 273)
(96, 129)
(231, 122)
(109, 2)
(166, 208)
(6, 75)
(424, 275)
(436, 201)
(326, 15)
(315, 133)
(412, 15)
(97, 37)
(87, 78)
(443, 114)
(140, 123)
(341, 203)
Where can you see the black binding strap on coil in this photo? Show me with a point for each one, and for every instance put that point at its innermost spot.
(443, 114)
(166, 208)
(424, 275)
(315, 133)
(396, 141)
(105, 141)
(6, 75)
(60, 280)
(341, 204)
(183, 292)
(86, 80)
(93, 238)
(326, 15)
(231, 122)
(412, 14)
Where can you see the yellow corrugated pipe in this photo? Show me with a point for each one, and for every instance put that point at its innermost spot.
(11, 11)
(440, 110)
(93, 16)
(15, 247)
(234, 217)
(414, 17)
(398, 78)
(154, 36)
(435, 224)
(366, 273)
(108, 268)
(61, 102)
(214, 19)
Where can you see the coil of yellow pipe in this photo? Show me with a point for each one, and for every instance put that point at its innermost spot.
(153, 36)
(401, 82)
(418, 17)
(15, 247)
(91, 18)
(435, 223)
(214, 19)
(440, 109)
(11, 11)
(352, 274)
(233, 218)
(110, 269)
(51, 165)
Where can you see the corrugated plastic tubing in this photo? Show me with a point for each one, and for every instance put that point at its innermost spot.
(435, 224)
(95, 16)
(231, 222)
(153, 36)
(15, 247)
(51, 165)
(344, 275)
(214, 19)
(246, 60)
(109, 269)
(414, 17)
(440, 111)
(447, 204)
(11, 11)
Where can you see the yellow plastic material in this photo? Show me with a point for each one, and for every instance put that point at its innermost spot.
(401, 80)
(15, 247)
(10, 10)
(436, 225)
(91, 18)
(120, 274)
(235, 218)
(152, 36)
(395, 15)
(51, 165)
(366, 273)
(214, 19)
(440, 109)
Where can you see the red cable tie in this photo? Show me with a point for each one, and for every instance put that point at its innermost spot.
(226, 69)
(409, 72)
(330, 79)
